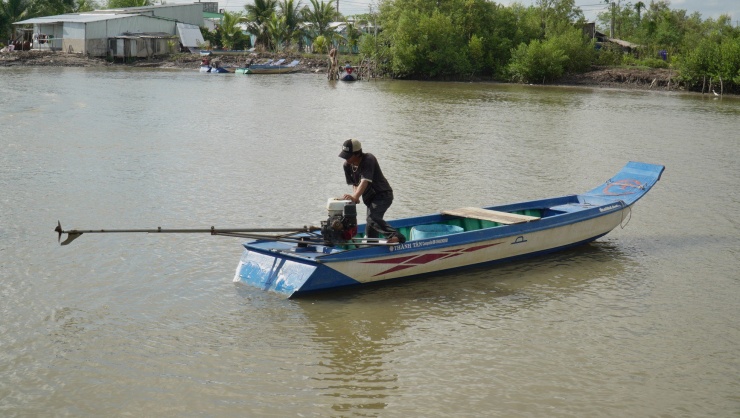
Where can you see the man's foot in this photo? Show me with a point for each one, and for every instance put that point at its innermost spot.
(393, 240)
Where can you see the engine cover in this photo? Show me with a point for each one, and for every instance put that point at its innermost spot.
(341, 225)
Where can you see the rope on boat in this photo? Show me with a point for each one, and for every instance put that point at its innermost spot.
(629, 209)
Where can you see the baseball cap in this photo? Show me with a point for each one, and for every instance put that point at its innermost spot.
(349, 147)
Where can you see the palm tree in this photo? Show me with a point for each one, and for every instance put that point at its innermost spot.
(639, 6)
(321, 15)
(230, 30)
(85, 6)
(12, 11)
(4, 24)
(291, 11)
(258, 16)
(353, 35)
(277, 29)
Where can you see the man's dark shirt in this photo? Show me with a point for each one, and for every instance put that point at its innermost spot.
(370, 170)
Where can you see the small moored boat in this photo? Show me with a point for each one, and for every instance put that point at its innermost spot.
(206, 66)
(270, 67)
(308, 262)
(213, 70)
(348, 73)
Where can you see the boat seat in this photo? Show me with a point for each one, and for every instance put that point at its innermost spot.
(490, 215)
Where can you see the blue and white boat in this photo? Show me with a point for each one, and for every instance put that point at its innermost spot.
(213, 70)
(337, 256)
(206, 66)
(299, 261)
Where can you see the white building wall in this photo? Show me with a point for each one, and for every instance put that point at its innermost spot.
(185, 13)
(74, 37)
(134, 24)
(97, 29)
(74, 30)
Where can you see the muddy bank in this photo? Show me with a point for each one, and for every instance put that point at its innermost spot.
(626, 78)
(629, 78)
(179, 61)
(48, 59)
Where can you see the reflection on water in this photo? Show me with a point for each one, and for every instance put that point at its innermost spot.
(359, 332)
(642, 322)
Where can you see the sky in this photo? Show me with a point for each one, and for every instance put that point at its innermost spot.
(707, 8)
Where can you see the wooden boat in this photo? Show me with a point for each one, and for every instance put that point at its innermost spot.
(269, 67)
(348, 73)
(299, 263)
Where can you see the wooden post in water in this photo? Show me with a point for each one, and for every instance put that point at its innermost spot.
(333, 72)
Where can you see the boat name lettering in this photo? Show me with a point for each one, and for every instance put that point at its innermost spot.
(418, 244)
(609, 208)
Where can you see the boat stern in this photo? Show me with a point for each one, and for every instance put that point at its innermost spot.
(290, 276)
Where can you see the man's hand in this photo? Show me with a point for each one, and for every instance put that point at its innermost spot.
(352, 198)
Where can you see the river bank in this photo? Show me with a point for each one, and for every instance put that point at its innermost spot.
(626, 78)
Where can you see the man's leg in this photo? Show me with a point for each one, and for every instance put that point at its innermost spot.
(375, 223)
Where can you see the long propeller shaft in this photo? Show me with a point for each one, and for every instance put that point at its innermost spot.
(73, 234)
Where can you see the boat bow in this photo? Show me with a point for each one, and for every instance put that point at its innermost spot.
(630, 184)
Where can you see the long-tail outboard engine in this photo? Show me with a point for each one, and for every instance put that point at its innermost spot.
(341, 225)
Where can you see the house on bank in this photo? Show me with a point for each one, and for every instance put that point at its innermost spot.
(127, 32)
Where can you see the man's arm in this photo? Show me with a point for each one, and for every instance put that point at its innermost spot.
(357, 191)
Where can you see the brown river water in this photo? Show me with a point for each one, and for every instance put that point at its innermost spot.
(643, 322)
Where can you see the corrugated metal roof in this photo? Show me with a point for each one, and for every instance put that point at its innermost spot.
(98, 15)
(75, 18)
(136, 35)
(623, 43)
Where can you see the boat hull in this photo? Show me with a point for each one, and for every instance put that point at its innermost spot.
(269, 68)
(293, 276)
(348, 76)
(562, 222)
(213, 70)
(285, 70)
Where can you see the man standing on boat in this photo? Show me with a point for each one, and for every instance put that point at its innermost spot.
(362, 171)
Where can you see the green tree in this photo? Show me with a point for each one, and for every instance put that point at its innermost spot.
(476, 53)
(638, 8)
(230, 31)
(213, 38)
(12, 11)
(320, 14)
(120, 4)
(258, 16)
(577, 47)
(291, 11)
(428, 46)
(714, 58)
(557, 16)
(85, 6)
(537, 62)
(320, 45)
(52, 7)
(277, 29)
(352, 37)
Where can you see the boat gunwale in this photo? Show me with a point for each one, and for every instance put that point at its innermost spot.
(460, 238)
(478, 235)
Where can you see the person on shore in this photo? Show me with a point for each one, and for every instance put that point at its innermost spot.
(362, 171)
